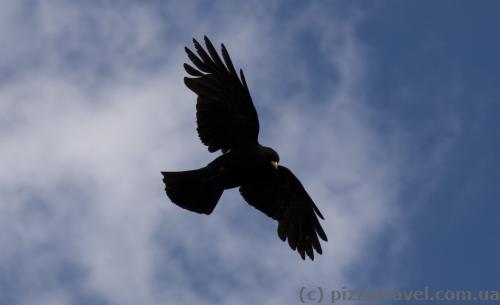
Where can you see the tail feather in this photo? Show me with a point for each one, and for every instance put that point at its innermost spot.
(192, 190)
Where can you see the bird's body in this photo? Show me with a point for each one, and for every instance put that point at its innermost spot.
(227, 121)
(242, 166)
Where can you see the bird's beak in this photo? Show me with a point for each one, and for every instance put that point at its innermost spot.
(275, 164)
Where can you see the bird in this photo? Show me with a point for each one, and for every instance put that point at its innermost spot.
(227, 122)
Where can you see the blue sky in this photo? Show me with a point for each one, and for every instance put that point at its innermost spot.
(387, 111)
(445, 55)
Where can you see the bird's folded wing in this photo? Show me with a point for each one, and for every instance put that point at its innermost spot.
(226, 116)
(283, 198)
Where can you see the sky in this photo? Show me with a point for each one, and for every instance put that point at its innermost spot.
(386, 111)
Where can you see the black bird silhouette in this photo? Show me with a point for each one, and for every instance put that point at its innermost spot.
(227, 121)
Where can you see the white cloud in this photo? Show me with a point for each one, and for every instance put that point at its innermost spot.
(82, 151)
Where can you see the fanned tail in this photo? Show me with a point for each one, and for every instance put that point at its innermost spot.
(192, 190)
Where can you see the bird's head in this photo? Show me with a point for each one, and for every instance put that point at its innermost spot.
(271, 157)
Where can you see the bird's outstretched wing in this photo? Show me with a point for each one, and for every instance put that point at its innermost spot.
(225, 114)
(282, 197)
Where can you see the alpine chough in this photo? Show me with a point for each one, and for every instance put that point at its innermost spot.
(227, 121)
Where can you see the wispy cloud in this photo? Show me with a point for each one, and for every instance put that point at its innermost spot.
(99, 109)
